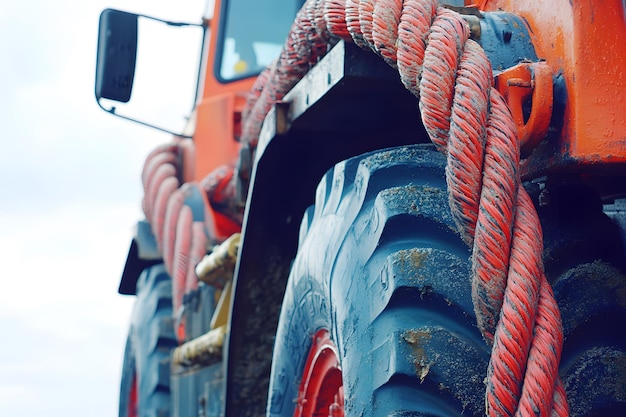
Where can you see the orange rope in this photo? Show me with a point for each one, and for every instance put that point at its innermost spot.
(334, 13)
(169, 218)
(385, 23)
(168, 241)
(353, 23)
(467, 119)
(366, 17)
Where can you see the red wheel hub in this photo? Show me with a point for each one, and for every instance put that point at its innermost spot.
(132, 398)
(321, 389)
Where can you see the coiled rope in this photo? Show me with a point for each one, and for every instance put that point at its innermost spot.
(469, 121)
(171, 222)
(183, 241)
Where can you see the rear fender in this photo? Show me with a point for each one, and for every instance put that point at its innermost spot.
(143, 253)
(144, 250)
(364, 107)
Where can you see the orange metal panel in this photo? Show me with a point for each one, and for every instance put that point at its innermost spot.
(585, 40)
(217, 111)
(214, 137)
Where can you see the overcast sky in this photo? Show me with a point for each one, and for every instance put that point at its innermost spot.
(70, 195)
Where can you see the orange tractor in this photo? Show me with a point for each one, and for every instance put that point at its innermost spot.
(384, 208)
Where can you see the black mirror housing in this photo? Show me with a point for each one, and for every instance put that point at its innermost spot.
(117, 55)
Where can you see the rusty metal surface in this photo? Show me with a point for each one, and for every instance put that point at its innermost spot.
(217, 267)
(203, 350)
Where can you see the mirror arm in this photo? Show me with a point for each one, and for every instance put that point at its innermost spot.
(177, 24)
(112, 111)
(205, 25)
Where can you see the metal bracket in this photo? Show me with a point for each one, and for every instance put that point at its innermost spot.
(528, 90)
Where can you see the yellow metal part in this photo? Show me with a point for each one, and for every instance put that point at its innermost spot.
(202, 350)
(215, 269)
(218, 267)
(222, 310)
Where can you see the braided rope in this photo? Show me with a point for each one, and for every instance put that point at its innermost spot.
(469, 121)
(385, 22)
(182, 252)
(168, 241)
(169, 218)
(160, 156)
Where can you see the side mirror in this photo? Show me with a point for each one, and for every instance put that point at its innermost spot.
(116, 60)
(117, 55)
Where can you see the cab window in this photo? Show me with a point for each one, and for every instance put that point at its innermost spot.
(253, 35)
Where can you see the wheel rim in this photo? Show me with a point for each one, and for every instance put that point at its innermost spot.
(132, 398)
(321, 389)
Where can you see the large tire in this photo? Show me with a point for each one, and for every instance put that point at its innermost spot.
(584, 260)
(380, 290)
(592, 298)
(144, 390)
(379, 294)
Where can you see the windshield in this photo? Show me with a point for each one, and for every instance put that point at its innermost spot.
(253, 35)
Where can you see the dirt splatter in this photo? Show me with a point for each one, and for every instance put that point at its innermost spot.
(618, 363)
(417, 339)
(411, 259)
